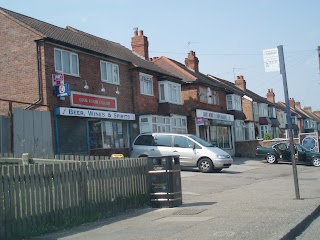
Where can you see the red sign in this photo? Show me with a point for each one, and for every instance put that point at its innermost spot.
(199, 120)
(86, 100)
(57, 79)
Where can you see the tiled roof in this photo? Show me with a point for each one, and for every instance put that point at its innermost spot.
(84, 40)
(187, 74)
(229, 85)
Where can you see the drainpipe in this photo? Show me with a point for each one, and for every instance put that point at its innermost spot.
(39, 76)
(133, 104)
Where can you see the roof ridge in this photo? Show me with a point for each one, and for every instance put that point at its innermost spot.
(171, 62)
(5, 12)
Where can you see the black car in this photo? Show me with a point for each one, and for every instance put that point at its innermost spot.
(280, 151)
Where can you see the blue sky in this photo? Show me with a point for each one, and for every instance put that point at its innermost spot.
(228, 36)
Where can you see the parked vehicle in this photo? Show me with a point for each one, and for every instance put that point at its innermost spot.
(193, 151)
(280, 151)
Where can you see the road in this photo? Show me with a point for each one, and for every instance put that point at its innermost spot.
(250, 200)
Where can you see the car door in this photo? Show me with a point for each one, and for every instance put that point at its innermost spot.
(186, 149)
(163, 144)
(301, 154)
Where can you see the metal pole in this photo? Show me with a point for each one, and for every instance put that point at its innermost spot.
(286, 95)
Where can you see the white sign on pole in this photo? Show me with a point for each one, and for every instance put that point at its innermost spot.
(271, 60)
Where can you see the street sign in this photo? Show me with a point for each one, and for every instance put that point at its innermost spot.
(271, 60)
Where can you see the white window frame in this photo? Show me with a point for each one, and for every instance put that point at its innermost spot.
(206, 95)
(240, 130)
(113, 77)
(168, 92)
(146, 79)
(155, 123)
(263, 109)
(60, 69)
(264, 129)
(235, 102)
(250, 131)
(272, 112)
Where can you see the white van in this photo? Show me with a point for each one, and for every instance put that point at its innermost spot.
(193, 151)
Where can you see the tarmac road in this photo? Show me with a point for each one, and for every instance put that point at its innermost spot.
(250, 200)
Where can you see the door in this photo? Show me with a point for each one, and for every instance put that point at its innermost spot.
(186, 149)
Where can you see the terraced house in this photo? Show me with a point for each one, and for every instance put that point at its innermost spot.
(96, 94)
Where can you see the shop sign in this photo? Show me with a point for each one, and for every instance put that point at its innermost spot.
(57, 79)
(63, 90)
(78, 112)
(199, 120)
(86, 100)
(214, 115)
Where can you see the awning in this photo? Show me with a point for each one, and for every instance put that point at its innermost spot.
(294, 127)
(238, 115)
(168, 108)
(264, 121)
(274, 122)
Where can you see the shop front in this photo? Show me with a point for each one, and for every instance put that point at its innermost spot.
(216, 128)
(90, 131)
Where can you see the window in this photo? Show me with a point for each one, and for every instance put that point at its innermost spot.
(255, 109)
(146, 140)
(182, 142)
(206, 95)
(66, 62)
(240, 129)
(250, 133)
(108, 134)
(233, 102)
(163, 140)
(170, 92)
(263, 130)
(153, 123)
(146, 84)
(220, 136)
(263, 109)
(272, 112)
(109, 72)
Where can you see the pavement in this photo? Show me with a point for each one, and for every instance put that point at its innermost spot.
(264, 209)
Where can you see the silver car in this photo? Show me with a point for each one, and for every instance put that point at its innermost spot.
(193, 151)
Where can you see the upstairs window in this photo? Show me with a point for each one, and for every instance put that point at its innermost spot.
(234, 102)
(146, 84)
(263, 110)
(109, 72)
(66, 62)
(206, 95)
(170, 92)
(272, 112)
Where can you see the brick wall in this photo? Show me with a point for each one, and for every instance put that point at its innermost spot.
(247, 109)
(246, 148)
(18, 64)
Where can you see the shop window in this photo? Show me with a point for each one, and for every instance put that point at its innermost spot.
(108, 134)
(220, 136)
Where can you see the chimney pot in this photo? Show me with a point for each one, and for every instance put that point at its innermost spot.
(141, 32)
(192, 61)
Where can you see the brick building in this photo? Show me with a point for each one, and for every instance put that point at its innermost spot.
(106, 86)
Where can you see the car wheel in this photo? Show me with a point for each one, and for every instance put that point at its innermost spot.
(315, 162)
(205, 165)
(271, 158)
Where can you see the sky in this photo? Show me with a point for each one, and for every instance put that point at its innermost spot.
(228, 36)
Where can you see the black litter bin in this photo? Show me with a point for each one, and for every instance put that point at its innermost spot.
(164, 177)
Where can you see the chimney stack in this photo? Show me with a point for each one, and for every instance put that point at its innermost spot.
(192, 61)
(241, 83)
(308, 109)
(317, 113)
(140, 44)
(292, 103)
(298, 105)
(271, 95)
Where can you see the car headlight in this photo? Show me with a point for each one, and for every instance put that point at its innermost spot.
(222, 156)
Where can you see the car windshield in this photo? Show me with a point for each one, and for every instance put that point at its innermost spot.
(201, 141)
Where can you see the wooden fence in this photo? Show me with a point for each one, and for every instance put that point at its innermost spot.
(41, 198)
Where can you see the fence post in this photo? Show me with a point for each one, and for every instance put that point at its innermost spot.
(25, 159)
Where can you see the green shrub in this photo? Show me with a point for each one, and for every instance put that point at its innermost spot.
(267, 136)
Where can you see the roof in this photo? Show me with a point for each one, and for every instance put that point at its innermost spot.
(82, 40)
(186, 74)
